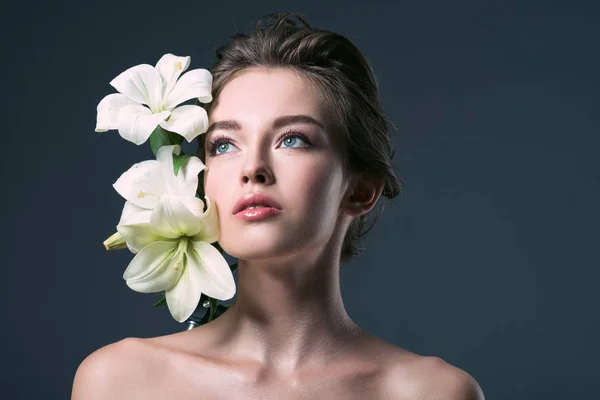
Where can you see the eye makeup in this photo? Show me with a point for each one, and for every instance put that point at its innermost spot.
(219, 139)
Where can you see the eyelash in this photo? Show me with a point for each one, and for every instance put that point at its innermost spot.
(220, 139)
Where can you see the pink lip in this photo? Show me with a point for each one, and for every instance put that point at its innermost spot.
(254, 214)
(255, 199)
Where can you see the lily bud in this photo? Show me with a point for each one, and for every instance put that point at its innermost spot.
(115, 242)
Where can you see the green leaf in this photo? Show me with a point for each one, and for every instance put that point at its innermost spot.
(161, 302)
(218, 247)
(161, 137)
(200, 191)
(178, 161)
(218, 311)
(221, 308)
(213, 307)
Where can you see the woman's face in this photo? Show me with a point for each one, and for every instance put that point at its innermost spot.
(296, 164)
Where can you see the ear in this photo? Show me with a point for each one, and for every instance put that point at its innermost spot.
(362, 195)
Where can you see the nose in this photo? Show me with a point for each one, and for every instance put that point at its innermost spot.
(257, 170)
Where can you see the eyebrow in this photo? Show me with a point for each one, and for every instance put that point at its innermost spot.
(279, 122)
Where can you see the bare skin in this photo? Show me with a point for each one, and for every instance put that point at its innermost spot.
(351, 370)
(167, 367)
(288, 335)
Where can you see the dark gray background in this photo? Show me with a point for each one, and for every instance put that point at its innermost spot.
(488, 259)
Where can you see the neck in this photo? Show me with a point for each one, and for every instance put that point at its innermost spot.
(288, 313)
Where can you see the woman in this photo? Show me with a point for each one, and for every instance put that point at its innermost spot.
(298, 154)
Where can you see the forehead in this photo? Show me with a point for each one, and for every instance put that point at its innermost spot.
(258, 95)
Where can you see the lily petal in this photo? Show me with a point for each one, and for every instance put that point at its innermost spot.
(141, 84)
(133, 214)
(187, 178)
(210, 224)
(138, 236)
(188, 121)
(136, 123)
(142, 184)
(154, 268)
(164, 155)
(170, 67)
(108, 111)
(194, 83)
(183, 298)
(210, 269)
(172, 218)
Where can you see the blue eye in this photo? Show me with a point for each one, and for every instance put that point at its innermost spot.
(218, 145)
(291, 138)
(289, 141)
(221, 146)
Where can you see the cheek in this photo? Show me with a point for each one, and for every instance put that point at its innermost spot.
(217, 176)
(321, 184)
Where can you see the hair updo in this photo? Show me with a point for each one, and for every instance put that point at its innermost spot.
(347, 83)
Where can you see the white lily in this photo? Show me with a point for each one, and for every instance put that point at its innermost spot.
(146, 182)
(176, 255)
(161, 90)
(165, 225)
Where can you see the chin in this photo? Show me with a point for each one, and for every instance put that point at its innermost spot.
(247, 248)
(250, 247)
(272, 240)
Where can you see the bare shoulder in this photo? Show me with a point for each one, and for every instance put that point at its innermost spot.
(446, 381)
(140, 368)
(422, 377)
(118, 370)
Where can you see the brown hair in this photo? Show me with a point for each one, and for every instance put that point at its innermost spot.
(346, 81)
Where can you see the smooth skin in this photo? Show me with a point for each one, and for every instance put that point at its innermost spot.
(288, 335)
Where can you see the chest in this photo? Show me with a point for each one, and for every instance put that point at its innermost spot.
(219, 384)
(276, 391)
